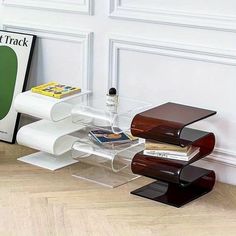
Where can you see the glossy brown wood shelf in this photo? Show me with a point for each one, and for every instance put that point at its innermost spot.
(178, 182)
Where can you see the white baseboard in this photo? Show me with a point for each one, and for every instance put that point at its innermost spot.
(223, 165)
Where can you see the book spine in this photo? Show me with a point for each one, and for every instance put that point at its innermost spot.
(33, 90)
(49, 94)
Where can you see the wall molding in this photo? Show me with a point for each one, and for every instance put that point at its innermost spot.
(85, 38)
(172, 49)
(86, 7)
(223, 156)
(181, 18)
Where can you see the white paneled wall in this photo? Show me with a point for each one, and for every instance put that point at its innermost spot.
(215, 14)
(78, 6)
(155, 50)
(73, 50)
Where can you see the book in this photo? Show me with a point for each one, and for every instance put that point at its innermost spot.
(165, 147)
(56, 90)
(108, 137)
(189, 152)
(157, 153)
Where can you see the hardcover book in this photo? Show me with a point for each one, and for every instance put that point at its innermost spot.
(56, 90)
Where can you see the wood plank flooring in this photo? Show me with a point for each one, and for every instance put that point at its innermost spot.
(37, 202)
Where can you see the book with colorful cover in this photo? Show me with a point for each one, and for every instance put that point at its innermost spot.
(107, 137)
(56, 90)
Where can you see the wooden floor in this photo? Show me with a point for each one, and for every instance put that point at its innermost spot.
(34, 201)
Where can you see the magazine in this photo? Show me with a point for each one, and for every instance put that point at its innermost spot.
(108, 137)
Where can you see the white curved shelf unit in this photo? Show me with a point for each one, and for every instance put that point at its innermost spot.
(52, 139)
(45, 107)
(49, 135)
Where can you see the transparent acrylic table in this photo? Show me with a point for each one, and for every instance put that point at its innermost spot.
(106, 164)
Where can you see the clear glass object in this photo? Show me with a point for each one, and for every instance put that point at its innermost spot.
(106, 164)
(93, 111)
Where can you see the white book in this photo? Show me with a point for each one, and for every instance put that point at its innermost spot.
(172, 152)
(157, 153)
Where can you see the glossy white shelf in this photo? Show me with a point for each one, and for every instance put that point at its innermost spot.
(45, 107)
(53, 141)
(48, 136)
(48, 161)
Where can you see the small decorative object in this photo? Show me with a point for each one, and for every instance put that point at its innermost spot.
(56, 90)
(15, 56)
(112, 100)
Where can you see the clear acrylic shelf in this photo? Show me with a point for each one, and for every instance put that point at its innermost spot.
(85, 144)
(94, 112)
(103, 175)
(108, 165)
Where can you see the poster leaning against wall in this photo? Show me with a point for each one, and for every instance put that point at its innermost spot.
(16, 51)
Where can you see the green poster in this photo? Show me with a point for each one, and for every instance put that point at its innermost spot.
(15, 56)
(8, 70)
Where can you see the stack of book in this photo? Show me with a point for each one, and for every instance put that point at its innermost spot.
(163, 150)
